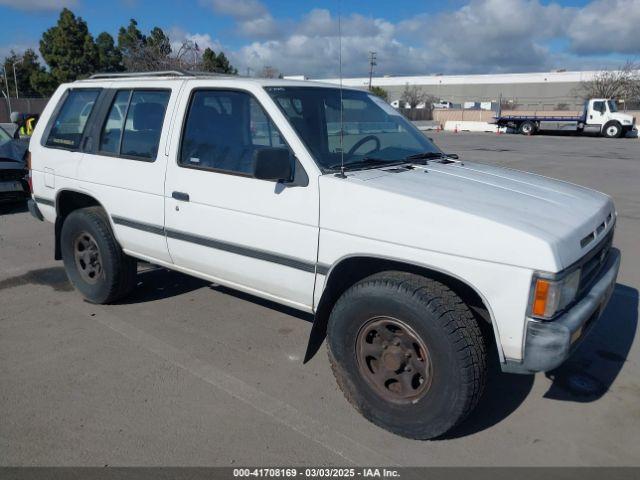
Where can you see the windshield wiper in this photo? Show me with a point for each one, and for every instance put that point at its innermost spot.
(364, 163)
(431, 156)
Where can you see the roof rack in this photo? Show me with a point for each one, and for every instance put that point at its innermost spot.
(163, 73)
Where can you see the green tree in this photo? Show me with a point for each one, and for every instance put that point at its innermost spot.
(380, 92)
(216, 63)
(109, 55)
(32, 79)
(144, 53)
(69, 49)
(159, 43)
(131, 38)
(131, 43)
(224, 66)
(44, 83)
(209, 60)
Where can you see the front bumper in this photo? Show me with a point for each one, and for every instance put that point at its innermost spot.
(548, 344)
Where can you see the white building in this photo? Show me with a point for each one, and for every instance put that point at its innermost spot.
(543, 90)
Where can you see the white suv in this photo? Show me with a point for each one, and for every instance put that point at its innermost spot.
(413, 262)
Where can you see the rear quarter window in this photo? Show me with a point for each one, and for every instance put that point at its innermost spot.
(71, 119)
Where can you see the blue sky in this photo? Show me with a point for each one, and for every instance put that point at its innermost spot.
(410, 36)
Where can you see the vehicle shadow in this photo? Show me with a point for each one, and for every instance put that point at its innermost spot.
(307, 317)
(595, 365)
(503, 394)
(157, 283)
(13, 208)
(585, 377)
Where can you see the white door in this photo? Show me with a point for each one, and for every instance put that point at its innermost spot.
(597, 114)
(125, 163)
(255, 235)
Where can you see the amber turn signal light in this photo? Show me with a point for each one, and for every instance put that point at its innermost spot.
(540, 297)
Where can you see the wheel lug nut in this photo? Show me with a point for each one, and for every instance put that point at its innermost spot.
(396, 342)
(407, 369)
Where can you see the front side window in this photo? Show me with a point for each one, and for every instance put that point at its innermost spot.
(599, 107)
(223, 131)
(367, 129)
(134, 123)
(613, 108)
(69, 125)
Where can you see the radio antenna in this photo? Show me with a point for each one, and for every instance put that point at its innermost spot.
(340, 72)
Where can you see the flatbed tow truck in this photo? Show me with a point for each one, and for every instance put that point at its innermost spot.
(599, 116)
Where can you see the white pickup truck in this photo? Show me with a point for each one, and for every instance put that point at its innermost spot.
(416, 265)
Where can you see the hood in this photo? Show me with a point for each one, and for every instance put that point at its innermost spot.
(472, 210)
(623, 118)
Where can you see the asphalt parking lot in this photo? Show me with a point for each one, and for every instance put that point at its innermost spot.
(189, 373)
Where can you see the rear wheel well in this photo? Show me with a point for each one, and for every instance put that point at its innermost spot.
(66, 202)
(351, 270)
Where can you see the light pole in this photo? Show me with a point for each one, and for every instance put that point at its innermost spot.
(6, 82)
(15, 78)
(372, 63)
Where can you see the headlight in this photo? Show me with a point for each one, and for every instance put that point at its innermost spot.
(551, 296)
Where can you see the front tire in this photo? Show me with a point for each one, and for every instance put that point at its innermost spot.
(527, 128)
(407, 353)
(612, 130)
(95, 264)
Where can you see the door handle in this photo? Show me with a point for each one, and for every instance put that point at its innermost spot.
(180, 196)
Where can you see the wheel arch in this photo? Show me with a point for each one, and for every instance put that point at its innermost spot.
(67, 201)
(351, 269)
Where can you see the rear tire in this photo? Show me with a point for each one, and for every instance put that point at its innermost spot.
(432, 371)
(95, 264)
(527, 128)
(612, 130)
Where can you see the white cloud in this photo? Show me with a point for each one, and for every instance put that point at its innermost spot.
(261, 27)
(39, 4)
(239, 9)
(252, 17)
(481, 36)
(203, 40)
(313, 47)
(494, 35)
(606, 26)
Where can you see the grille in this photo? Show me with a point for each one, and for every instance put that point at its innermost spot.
(593, 261)
(12, 175)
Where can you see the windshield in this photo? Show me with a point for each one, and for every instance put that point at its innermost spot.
(4, 136)
(612, 106)
(373, 131)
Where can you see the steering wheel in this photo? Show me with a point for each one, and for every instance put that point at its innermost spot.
(362, 141)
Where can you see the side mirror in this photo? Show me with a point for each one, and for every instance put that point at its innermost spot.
(273, 163)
